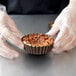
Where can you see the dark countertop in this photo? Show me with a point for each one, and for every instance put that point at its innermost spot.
(50, 65)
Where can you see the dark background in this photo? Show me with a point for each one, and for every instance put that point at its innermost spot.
(17, 6)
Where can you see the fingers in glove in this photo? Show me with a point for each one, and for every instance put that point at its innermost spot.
(53, 30)
(57, 50)
(66, 41)
(13, 38)
(59, 47)
(7, 52)
(67, 44)
(64, 32)
(60, 40)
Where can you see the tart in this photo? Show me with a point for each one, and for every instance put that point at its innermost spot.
(37, 44)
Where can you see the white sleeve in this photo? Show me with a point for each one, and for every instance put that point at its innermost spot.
(2, 8)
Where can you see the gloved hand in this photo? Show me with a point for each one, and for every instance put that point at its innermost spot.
(8, 31)
(65, 26)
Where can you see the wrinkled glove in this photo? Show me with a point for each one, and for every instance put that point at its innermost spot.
(8, 31)
(65, 26)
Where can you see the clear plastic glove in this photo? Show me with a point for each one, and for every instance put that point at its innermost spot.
(65, 26)
(8, 31)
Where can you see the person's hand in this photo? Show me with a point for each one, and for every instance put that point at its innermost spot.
(9, 32)
(65, 26)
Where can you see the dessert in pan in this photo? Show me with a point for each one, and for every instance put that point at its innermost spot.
(37, 44)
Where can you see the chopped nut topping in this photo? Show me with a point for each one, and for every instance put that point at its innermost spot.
(38, 40)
